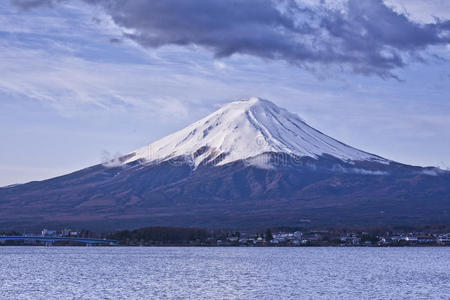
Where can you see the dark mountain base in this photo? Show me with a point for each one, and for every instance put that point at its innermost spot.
(281, 191)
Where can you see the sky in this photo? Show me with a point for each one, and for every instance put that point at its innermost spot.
(82, 81)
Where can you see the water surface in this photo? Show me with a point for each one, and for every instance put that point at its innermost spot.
(224, 273)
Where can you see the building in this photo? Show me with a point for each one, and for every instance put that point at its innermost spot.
(46, 232)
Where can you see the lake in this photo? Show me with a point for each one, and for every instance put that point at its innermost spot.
(224, 273)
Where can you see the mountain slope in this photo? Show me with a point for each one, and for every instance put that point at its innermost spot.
(250, 164)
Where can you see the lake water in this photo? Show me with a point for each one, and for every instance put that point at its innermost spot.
(224, 273)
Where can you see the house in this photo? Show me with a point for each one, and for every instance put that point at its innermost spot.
(46, 232)
(298, 235)
(426, 239)
(444, 240)
(233, 239)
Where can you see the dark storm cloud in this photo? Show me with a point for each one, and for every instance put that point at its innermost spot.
(365, 37)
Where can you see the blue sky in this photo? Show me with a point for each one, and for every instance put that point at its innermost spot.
(80, 83)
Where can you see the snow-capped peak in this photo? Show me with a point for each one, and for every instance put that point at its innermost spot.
(244, 129)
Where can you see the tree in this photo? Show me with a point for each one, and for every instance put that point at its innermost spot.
(269, 235)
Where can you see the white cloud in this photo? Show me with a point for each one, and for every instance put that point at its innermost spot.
(71, 84)
(422, 10)
(219, 65)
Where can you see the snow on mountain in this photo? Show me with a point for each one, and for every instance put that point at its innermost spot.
(244, 129)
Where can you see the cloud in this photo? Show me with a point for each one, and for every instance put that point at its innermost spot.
(111, 161)
(362, 36)
(422, 11)
(263, 161)
(219, 65)
(341, 169)
(30, 4)
(432, 171)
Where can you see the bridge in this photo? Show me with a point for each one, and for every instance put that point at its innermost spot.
(49, 240)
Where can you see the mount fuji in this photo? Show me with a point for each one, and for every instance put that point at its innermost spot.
(249, 164)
